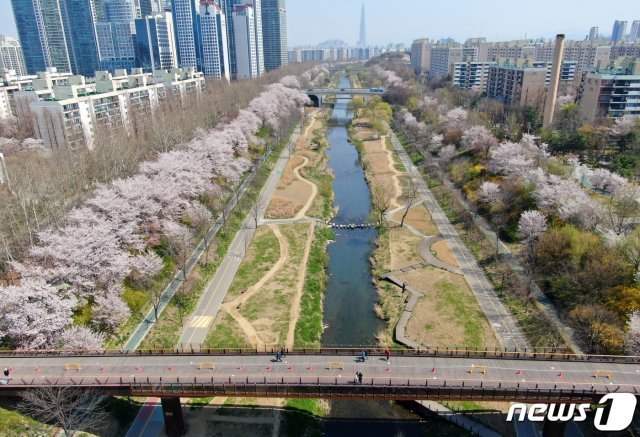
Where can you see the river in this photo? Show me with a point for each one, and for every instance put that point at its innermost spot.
(351, 295)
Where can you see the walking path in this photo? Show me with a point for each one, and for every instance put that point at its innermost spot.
(302, 273)
(233, 306)
(198, 325)
(550, 310)
(500, 319)
(314, 189)
(197, 328)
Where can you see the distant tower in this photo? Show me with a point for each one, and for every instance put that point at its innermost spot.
(619, 30)
(552, 90)
(363, 29)
(593, 33)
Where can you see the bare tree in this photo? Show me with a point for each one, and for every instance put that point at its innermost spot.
(412, 193)
(256, 209)
(70, 408)
(381, 198)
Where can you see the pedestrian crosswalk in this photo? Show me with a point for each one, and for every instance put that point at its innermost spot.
(201, 322)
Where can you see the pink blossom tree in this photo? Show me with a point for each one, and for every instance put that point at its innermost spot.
(490, 193)
(632, 337)
(532, 224)
(34, 314)
(109, 311)
(78, 338)
(609, 182)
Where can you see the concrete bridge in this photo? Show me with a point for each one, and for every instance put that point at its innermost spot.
(318, 95)
(433, 373)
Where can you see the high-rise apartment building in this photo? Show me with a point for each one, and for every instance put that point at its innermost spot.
(227, 9)
(245, 41)
(593, 33)
(619, 30)
(635, 30)
(11, 56)
(611, 93)
(79, 20)
(444, 56)
(213, 30)
(156, 42)
(471, 75)
(515, 85)
(421, 55)
(257, 24)
(116, 42)
(42, 34)
(150, 7)
(186, 25)
(274, 29)
(119, 11)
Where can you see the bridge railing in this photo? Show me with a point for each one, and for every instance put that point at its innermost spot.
(543, 354)
(333, 386)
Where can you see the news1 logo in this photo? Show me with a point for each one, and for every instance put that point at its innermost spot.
(614, 412)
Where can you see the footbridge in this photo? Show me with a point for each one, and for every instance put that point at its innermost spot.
(539, 375)
(318, 95)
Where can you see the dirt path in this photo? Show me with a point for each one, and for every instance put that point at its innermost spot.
(232, 307)
(302, 273)
(396, 173)
(314, 189)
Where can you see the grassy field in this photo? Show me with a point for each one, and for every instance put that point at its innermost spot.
(309, 326)
(303, 417)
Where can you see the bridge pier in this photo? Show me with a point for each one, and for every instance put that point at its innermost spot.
(173, 419)
(553, 429)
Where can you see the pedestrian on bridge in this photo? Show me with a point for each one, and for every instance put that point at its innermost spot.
(363, 355)
(278, 357)
(387, 353)
(6, 372)
(282, 352)
(359, 377)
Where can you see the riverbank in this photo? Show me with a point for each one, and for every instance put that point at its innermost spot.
(275, 298)
(446, 313)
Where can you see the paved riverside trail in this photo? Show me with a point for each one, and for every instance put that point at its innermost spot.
(198, 325)
(500, 319)
(307, 369)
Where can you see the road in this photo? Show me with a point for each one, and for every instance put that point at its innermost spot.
(500, 319)
(311, 369)
(198, 325)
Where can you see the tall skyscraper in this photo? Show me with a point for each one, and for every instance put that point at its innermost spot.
(156, 42)
(245, 41)
(362, 42)
(79, 21)
(213, 31)
(42, 34)
(117, 34)
(11, 56)
(186, 25)
(150, 7)
(274, 31)
(119, 11)
(635, 30)
(619, 30)
(227, 9)
(593, 33)
(257, 21)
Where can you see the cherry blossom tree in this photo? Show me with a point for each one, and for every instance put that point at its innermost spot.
(456, 117)
(34, 314)
(490, 193)
(180, 240)
(290, 82)
(632, 337)
(624, 124)
(78, 338)
(532, 224)
(479, 138)
(109, 311)
(609, 182)
(447, 153)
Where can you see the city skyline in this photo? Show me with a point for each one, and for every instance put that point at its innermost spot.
(466, 19)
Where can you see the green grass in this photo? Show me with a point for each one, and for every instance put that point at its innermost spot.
(302, 417)
(263, 252)
(13, 423)
(199, 403)
(309, 327)
(465, 311)
(227, 333)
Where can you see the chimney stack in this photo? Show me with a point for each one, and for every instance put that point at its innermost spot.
(552, 91)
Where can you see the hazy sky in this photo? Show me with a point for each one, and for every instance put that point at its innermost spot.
(314, 21)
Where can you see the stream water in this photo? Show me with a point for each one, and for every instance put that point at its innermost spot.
(350, 296)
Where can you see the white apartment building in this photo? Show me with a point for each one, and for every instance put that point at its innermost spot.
(11, 56)
(245, 42)
(471, 75)
(76, 111)
(215, 48)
